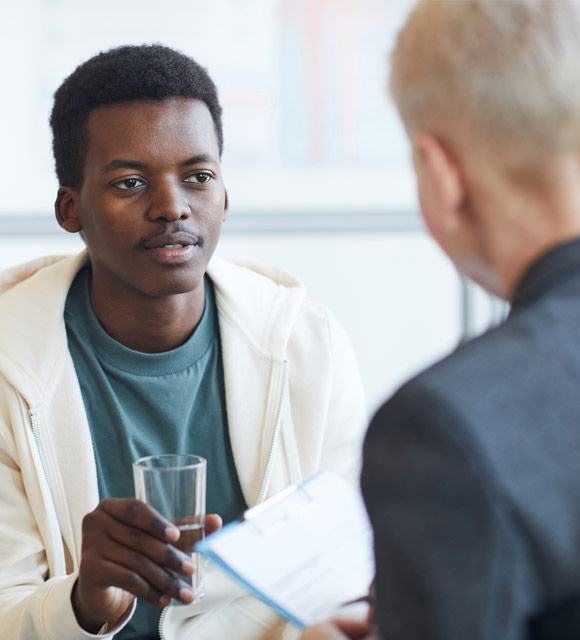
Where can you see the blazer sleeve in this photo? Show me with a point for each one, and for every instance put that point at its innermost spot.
(447, 560)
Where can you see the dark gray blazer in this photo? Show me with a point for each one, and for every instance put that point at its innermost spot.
(471, 474)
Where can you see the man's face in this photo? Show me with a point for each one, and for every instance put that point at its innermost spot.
(152, 200)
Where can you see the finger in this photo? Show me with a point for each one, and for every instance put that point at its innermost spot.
(136, 548)
(132, 571)
(139, 515)
(325, 631)
(154, 571)
(213, 522)
(354, 629)
(157, 590)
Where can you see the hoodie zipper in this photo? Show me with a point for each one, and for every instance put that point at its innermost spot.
(161, 623)
(36, 434)
(275, 435)
(269, 462)
(51, 491)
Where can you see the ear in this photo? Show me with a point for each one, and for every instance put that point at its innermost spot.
(226, 208)
(66, 209)
(440, 187)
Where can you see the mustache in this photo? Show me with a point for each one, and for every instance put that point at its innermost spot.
(171, 236)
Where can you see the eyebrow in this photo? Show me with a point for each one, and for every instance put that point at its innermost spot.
(134, 164)
(123, 164)
(202, 157)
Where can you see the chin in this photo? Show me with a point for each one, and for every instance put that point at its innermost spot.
(174, 286)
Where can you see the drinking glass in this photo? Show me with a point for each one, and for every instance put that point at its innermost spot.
(174, 485)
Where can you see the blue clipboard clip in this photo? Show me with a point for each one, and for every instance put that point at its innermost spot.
(275, 513)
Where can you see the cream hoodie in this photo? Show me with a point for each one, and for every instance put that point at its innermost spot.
(294, 404)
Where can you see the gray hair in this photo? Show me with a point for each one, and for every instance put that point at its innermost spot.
(506, 70)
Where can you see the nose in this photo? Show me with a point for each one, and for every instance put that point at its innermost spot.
(168, 202)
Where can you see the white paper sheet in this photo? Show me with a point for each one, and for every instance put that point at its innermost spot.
(305, 551)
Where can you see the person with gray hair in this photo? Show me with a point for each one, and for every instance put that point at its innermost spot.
(471, 470)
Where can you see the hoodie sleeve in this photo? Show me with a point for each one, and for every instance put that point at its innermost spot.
(346, 420)
(35, 593)
(327, 400)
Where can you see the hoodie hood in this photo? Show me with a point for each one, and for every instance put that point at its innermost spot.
(33, 296)
(32, 299)
(271, 316)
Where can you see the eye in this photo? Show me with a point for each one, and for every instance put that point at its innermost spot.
(201, 177)
(127, 184)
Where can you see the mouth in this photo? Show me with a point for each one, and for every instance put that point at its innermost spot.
(175, 240)
(172, 248)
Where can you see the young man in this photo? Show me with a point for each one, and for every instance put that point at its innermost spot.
(470, 471)
(142, 345)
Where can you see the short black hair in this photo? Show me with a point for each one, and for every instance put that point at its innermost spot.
(122, 74)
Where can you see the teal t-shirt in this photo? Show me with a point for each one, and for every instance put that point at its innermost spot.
(138, 404)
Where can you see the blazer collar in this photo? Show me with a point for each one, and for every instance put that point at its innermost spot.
(556, 265)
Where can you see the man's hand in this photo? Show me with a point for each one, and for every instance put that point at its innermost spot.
(128, 552)
(338, 630)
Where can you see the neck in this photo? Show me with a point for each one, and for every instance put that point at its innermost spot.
(145, 323)
(520, 220)
(515, 267)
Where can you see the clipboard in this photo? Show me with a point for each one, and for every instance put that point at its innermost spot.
(304, 552)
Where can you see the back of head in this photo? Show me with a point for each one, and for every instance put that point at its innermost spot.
(506, 72)
(123, 74)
